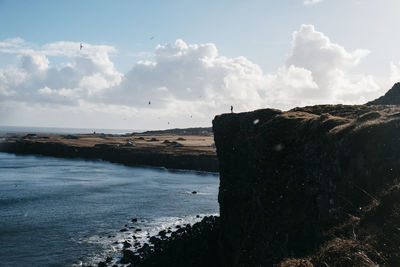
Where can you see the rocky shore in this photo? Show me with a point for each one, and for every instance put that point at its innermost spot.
(175, 149)
(190, 245)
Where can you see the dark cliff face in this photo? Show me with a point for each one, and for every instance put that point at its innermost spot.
(392, 97)
(289, 177)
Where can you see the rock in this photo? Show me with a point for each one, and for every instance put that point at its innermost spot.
(288, 183)
(71, 136)
(30, 136)
(194, 192)
(102, 264)
(138, 230)
(392, 97)
(108, 259)
(154, 239)
(128, 144)
(162, 233)
(126, 244)
(153, 139)
(128, 257)
(176, 144)
(193, 246)
(134, 220)
(180, 139)
(123, 230)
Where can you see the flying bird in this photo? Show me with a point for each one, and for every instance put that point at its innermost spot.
(152, 37)
(80, 48)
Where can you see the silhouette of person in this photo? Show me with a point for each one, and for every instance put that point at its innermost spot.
(231, 109)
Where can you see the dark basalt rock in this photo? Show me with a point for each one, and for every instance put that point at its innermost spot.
(162, 233)
(127, 244)
(392, 97)
(289, 179)
(195, 245)
(129, 257)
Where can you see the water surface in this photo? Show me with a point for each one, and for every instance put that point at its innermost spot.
(60, 212)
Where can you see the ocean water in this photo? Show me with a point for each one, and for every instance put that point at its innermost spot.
(69, 212)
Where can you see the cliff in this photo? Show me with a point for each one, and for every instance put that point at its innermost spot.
(314, 186)
(298, 184)
(392, 97)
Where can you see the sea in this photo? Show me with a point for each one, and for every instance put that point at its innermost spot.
(70, 212)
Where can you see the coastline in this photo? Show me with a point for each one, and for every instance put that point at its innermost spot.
(172, 150)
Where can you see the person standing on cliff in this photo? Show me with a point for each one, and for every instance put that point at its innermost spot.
(231, 109)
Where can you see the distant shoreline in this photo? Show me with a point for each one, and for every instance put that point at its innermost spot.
(5, 129)
(173, 149)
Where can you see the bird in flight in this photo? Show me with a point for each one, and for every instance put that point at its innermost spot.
(152, 37)
(80, 48)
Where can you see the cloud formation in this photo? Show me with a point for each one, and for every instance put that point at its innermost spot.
(311, 2)
(183, 81)
(35, 80)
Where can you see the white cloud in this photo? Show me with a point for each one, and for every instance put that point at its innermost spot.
(311, 2)
(187, 84)
(330, 65)
(36, 80)
(194, 73)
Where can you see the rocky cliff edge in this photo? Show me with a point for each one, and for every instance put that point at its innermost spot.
(298, 185)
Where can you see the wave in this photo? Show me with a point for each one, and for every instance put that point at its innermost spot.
(113, 242)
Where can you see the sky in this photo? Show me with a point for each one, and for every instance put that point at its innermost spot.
(167, 64)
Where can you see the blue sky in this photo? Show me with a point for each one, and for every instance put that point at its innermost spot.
(260, 31)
